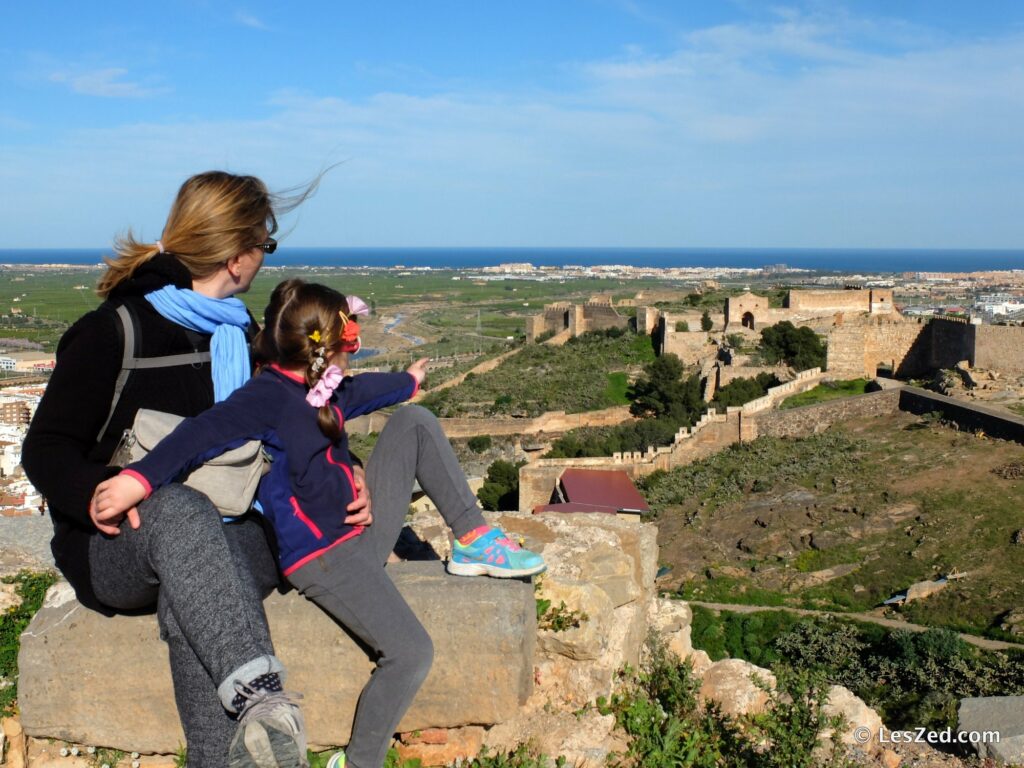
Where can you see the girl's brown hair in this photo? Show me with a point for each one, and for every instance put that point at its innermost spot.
(302, 329)
(215, 216)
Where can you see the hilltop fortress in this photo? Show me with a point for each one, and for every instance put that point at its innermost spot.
(864, 331)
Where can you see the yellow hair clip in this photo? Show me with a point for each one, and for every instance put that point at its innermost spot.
(315, 336)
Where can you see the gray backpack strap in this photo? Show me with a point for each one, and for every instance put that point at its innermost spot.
(130, 362)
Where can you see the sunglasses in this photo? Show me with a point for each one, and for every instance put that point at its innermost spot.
(269, 246)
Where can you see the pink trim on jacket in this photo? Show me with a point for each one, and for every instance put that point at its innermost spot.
(145, 483)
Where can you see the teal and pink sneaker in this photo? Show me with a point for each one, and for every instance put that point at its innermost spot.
(493, 553)
(337, 760)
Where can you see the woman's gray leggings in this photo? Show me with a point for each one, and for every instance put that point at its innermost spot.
(208, 580)
(351, 584)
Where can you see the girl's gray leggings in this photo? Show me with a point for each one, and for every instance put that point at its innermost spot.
(208, 580)
(351, 584)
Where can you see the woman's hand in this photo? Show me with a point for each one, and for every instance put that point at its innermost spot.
(114, 500)
(359, 509)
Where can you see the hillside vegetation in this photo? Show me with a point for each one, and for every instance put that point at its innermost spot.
(587, 374)
(845, 519)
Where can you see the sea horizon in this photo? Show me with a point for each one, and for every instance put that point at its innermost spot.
(843, 260)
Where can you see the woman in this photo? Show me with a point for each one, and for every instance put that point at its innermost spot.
(206, 578)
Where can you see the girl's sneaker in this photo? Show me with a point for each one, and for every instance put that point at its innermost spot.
(494, 554)
(337, 760)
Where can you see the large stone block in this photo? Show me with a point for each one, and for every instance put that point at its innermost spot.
(1003, 715)
(90, 679)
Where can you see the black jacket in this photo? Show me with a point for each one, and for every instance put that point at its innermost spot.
(61, 455)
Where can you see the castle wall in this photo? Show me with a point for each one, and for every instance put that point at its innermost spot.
(971, 417)
(647, 320)
(1000, 347)
(901, 345)
(600, 316)
(711, 434)
(729, 373)
(830, 301)
(856, 350)
(950, 341)
(553, 422)
(811, 419)
(688, 346)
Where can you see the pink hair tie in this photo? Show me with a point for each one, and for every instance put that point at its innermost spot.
(159, 246)
(357, 306)
(321, 393)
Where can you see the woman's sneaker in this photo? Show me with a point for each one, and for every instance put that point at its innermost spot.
(494, 554)
(337, 760)
(271, 732)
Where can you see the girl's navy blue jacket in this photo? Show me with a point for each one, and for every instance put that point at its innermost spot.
(310, 484)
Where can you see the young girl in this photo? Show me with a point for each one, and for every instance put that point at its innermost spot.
(297, 406)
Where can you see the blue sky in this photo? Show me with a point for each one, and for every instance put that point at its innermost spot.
(568, 123)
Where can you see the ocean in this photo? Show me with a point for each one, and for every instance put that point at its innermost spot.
(846, 260)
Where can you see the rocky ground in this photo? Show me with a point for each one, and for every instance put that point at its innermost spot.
(898, 501)
(25, 543)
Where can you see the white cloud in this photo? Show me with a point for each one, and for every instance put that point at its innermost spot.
(750, 135)
(248, 20)
(107, 83)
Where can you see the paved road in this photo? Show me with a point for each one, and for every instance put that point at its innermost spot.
(980, 642)
(25, 543)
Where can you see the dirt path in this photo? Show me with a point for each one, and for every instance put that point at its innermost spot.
(980, 642)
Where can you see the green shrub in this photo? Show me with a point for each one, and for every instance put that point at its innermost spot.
(479, 443)
(659, 712)
(682, 326)
(31, 587)
(706, 323)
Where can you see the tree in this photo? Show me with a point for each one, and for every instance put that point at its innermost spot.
(740, 391)
(799, 348)
(500, 491)
(706, 323)
(663, 393)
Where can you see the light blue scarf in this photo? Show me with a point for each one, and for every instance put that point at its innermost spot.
(226, 319)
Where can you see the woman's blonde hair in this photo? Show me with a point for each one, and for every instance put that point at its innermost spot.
(302, 329)
(215, 216)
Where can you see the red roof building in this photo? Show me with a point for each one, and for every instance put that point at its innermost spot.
(596, 490)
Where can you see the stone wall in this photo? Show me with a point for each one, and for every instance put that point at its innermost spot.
(967, 416)
(598, 314)
(811, 419)
(804, 381)
(831, 301)
(552, 422)
(601, 315)
(729, 373)
(999, 348)
(647, 320)
(948, 342)
(855, 350)
(689, 346)
(710, 434)
(917, 347)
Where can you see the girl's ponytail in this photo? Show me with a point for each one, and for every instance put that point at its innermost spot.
(326, 417)
(302, 331)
